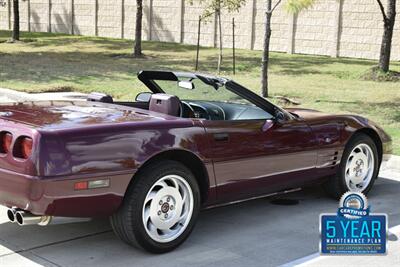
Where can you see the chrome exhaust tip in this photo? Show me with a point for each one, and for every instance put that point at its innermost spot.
(11, 214)
(24, 218)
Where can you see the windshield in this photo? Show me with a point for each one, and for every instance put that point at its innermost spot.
(200, 92)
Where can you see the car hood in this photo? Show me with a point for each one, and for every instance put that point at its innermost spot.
(307, 113)
(71, 114)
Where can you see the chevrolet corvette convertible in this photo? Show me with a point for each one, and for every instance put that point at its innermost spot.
(187, 142)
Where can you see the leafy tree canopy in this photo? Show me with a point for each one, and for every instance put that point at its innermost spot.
(210, 6)
(295, 6)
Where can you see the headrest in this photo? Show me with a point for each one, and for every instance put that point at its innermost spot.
(167, 104)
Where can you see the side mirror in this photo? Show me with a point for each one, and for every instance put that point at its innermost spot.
(186, 85)
(143, 97)
(280, 117)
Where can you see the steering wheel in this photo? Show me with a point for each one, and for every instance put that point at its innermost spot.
(208, 116)
(183, 103)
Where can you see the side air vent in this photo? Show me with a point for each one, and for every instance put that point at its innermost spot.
(335, 159)
(328, 159)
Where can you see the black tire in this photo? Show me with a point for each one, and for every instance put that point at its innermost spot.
(336, 185)
(127, 222)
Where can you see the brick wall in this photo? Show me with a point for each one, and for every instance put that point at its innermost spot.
(129, 18)
(314, 29)
(348, 28)
(4, 16)
(39, 15)
(280, 27)
(84, 19)
(191, 23)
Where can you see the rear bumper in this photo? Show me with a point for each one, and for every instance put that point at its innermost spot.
(57, 197)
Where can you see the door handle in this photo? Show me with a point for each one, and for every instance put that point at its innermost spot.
(267, 125)
(220, 137)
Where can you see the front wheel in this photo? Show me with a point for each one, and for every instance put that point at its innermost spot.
(358, 168)
(159, 209)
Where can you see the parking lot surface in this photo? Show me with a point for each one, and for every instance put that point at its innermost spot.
(254, 233)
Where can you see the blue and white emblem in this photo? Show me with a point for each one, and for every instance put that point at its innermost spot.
(353, 205)
(353, 229)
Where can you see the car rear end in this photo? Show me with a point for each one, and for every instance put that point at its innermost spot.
(18, 171)
(37, 176)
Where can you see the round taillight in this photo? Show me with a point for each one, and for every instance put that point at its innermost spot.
(6, 141)
(26, 147)
(23, 147)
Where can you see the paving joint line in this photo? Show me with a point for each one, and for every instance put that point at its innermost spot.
(43, 258)
(55, 243)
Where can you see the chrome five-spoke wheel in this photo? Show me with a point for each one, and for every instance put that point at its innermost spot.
(160, 207)
(359, 168)
(167, 208)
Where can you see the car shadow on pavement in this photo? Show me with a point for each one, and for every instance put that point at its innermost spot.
(253, 233)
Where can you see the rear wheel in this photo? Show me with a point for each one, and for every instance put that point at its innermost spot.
(159, 209)
(358, 168)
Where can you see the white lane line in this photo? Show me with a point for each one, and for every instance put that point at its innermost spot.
(314, 257)
(395, 230)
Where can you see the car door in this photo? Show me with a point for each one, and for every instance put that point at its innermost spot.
(256, 157)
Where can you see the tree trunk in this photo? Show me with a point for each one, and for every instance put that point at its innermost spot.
(265, 56)
(220, 39)
(138, 31)
(386, 46)
(15, 33)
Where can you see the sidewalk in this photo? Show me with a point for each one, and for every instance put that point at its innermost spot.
(392, 169)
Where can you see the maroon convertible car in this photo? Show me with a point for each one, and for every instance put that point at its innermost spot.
(192, 141)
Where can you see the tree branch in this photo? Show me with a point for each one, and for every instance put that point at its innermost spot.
(275, 6)
(382, 9)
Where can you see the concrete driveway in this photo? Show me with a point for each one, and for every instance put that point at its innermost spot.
(254, 233)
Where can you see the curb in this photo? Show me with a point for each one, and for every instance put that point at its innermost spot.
(394, 163)
(14, 95)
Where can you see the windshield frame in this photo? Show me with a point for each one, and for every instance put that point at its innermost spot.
(148, 77)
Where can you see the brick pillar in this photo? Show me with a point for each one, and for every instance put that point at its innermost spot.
(9, 14)
(337, 29)
(28, 15)
(215, 23)
(49, 16)
(292, 33)
(251, 22)
(122, 19)
(150, 20)
(181, 20)
(72, 17)
(96, 11)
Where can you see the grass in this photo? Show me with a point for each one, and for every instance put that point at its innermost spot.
(376, 74)
(56, 62)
